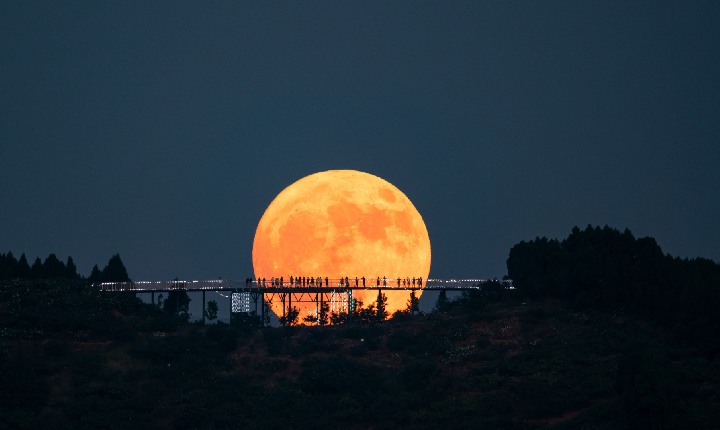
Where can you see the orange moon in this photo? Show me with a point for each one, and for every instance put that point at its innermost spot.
(342, 223)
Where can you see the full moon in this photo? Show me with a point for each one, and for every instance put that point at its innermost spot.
(342, 223)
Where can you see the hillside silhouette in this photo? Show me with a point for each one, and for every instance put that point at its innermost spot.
(577, 344)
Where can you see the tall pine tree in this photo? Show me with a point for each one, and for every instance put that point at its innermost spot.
(71, 269)
(115, 271)
(36, 271)
(381, 303)
(53, 268)
(22, 269)
(95, 275)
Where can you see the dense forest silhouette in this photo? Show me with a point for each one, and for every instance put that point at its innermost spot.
(606, 268)
(53, 268)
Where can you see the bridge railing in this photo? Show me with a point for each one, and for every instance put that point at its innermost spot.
(270, 284)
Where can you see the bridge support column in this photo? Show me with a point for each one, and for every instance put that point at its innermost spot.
(262, 309)
(349, 305)
(412, 302)
(203, 309)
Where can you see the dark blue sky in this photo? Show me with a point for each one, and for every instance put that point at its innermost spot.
(162, 130)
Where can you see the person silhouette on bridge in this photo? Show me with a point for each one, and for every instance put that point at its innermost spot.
(356, 281)
(363, 279)
(420, 282)
(347, 282)
(326, 281)
(384, 281)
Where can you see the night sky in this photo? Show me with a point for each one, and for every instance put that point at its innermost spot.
(163, 130)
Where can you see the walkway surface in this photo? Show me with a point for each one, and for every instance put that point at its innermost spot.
(272, 286)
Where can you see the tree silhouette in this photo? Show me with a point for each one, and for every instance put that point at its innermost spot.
(212, 310)
(53, 268)
(381, 313)
(324, 313)
(311, 319)
(36, 271)
(442, 304)
(608, 268)
(177, 304)
(291, 317)
(22, 270)
(338, 317)
(413, 304)
(6, 269)
(95, 275)
(71, 269)
(115, 271)
(8, 266)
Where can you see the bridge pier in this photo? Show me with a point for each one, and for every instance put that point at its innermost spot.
(262, 309)
(349, 305)
(412, 302)
(317, 309)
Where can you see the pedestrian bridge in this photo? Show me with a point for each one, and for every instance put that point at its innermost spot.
(337, 293)
(300, 285)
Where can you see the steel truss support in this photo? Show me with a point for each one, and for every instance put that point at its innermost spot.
(255, 295)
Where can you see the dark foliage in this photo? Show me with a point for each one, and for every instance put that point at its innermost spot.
(52, 268)
(114, 271)
(73, 357)
(608, 268)
(291, 317)
(212, 310)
